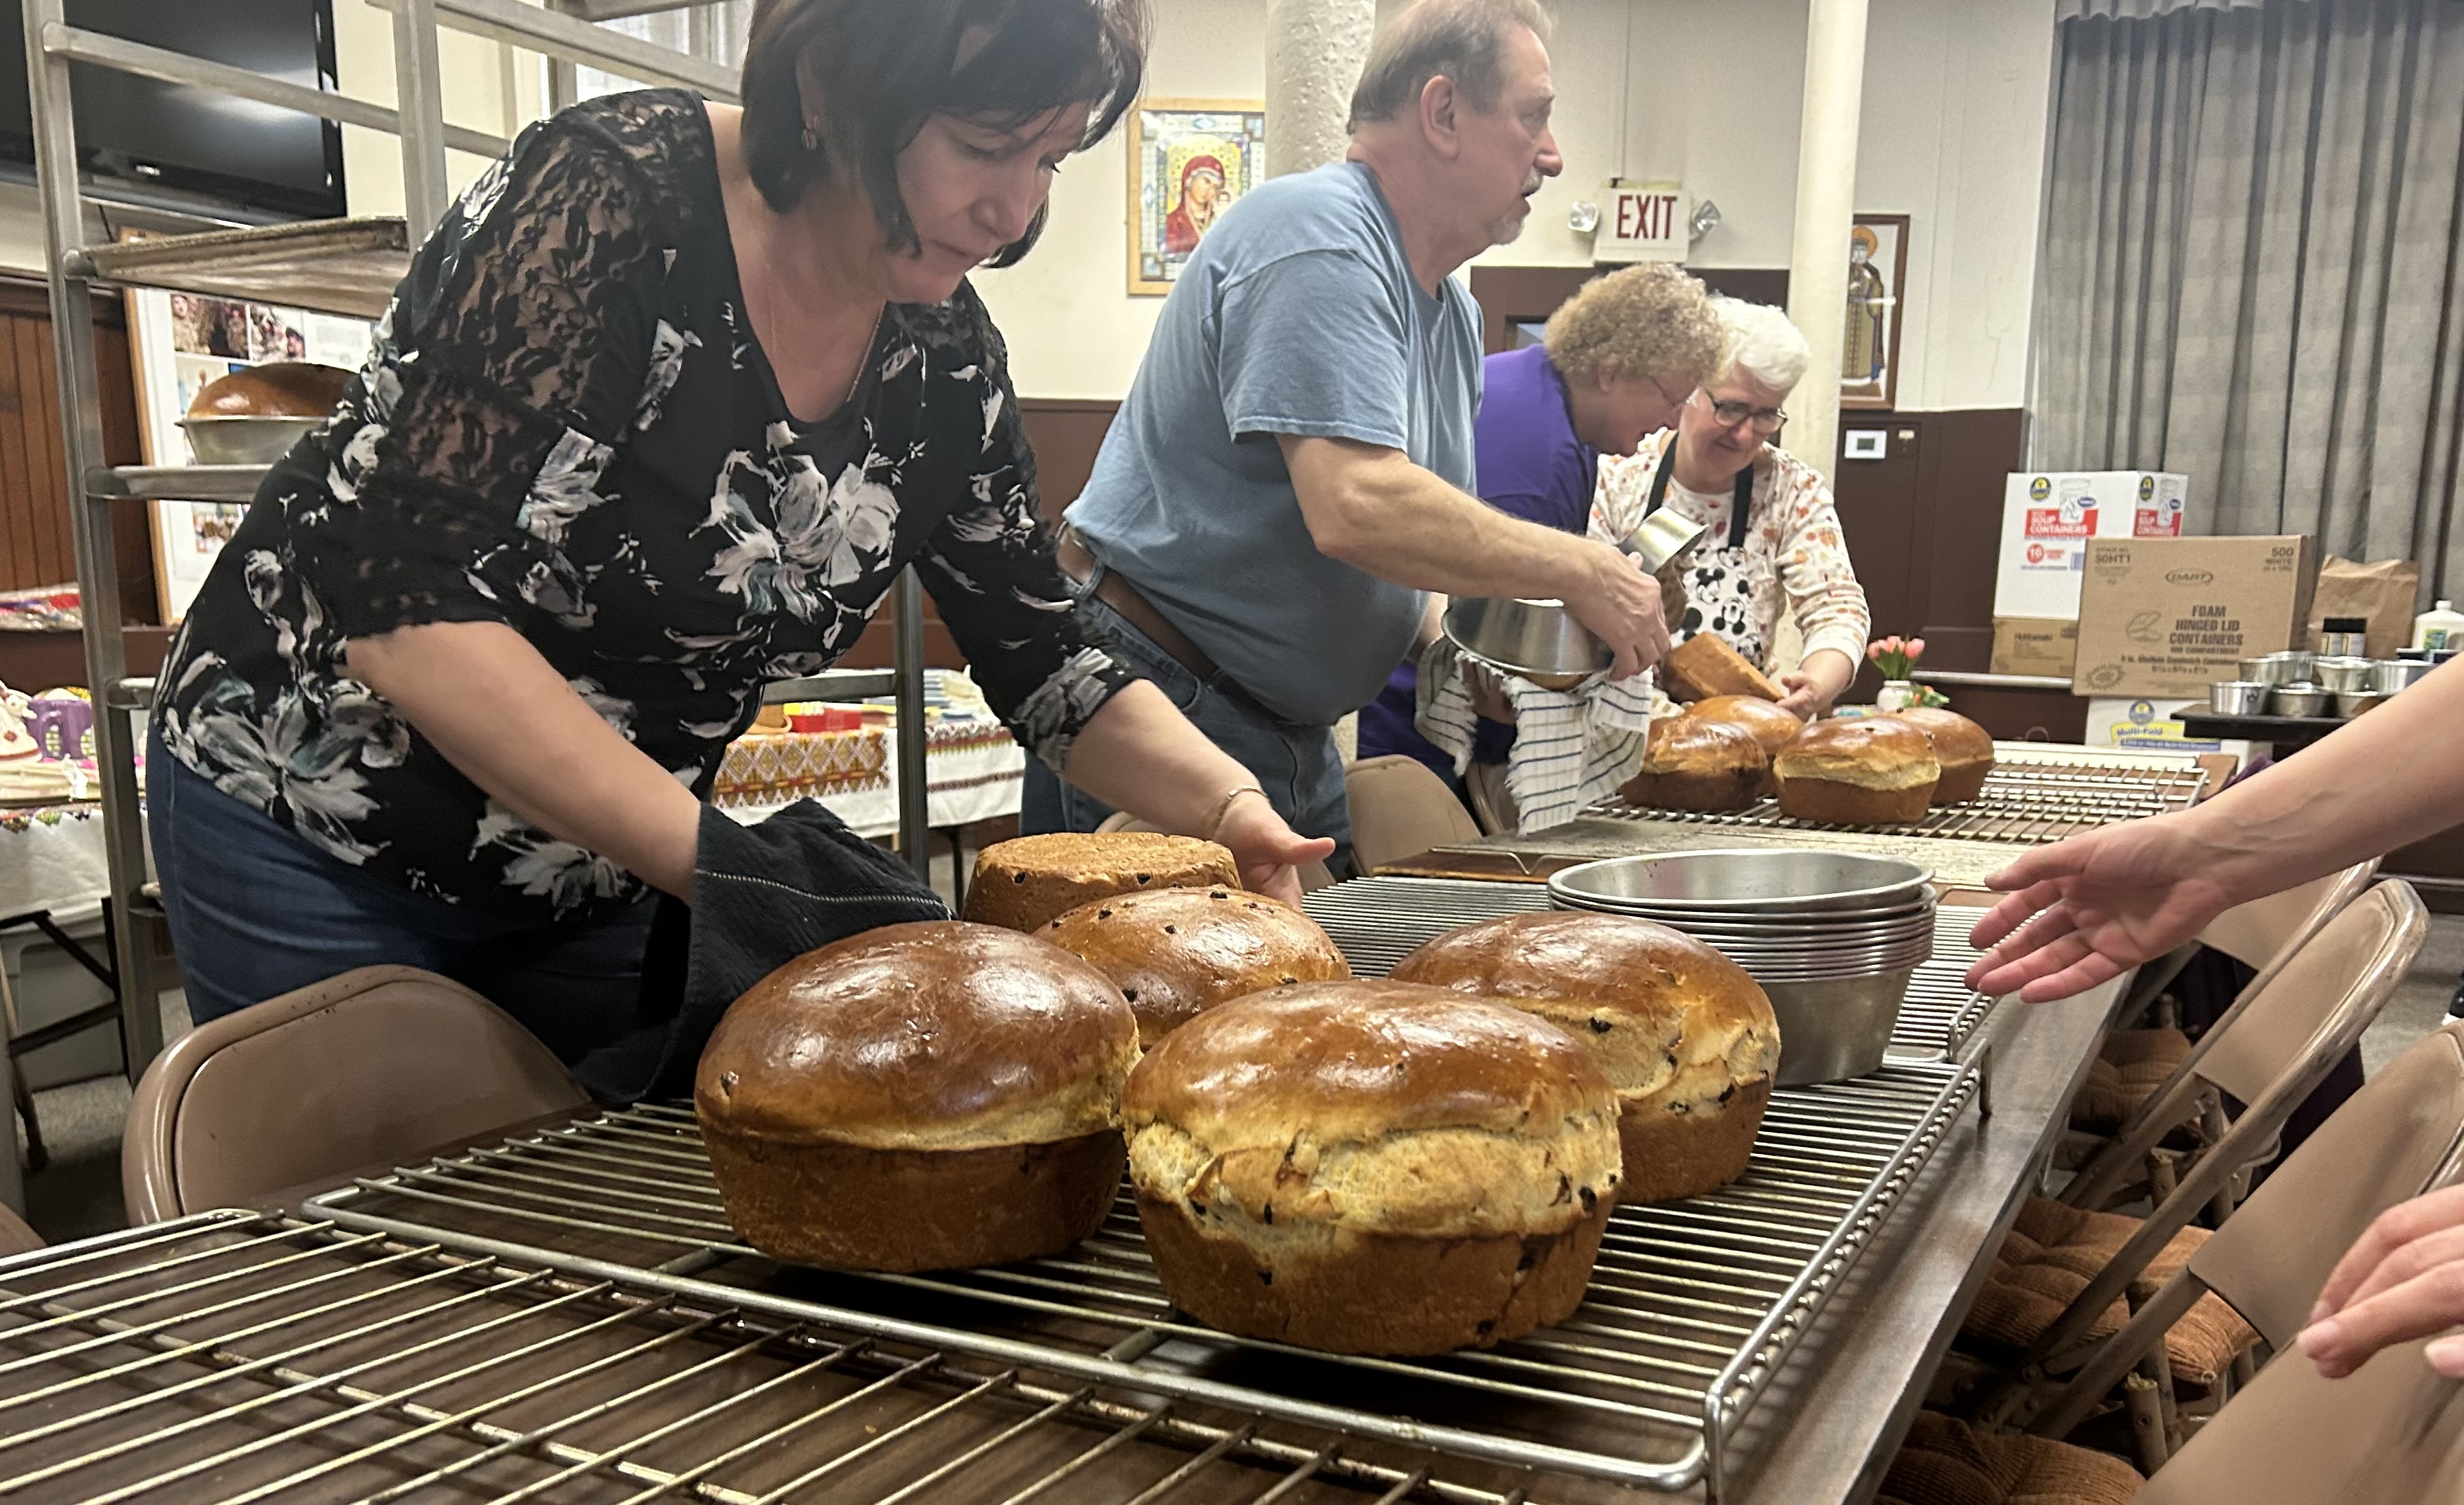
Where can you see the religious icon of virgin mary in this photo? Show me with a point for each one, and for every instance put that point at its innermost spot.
(1201, 199)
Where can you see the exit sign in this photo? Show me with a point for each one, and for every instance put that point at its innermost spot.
(1641, 222)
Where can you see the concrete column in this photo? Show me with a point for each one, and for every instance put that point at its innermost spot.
(1314, 53)
(1826, 207)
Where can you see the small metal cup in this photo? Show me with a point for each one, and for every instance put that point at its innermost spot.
(2252, 670)
(2291, 666)
(2300, 700)
(2355, 704)
(2396, 673)
(1663, 539)
(2344, 674)
(2238, 697)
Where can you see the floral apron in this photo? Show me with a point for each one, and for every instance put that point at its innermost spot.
(1720, 584)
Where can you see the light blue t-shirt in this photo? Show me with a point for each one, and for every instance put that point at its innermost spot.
(1297, 315)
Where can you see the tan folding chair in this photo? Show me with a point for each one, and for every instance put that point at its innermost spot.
(15, 1238)
(1399, 807)
(2250, 1057)
(2133, 1067)
(2400, 1137)
(2060, 1279)
(364, 1069)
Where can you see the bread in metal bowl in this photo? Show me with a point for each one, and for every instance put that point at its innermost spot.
(921, 1096)
(1866, 770)
(1964, 749)
(1177, 952)
(1029, 881)
(1686, 1035)
(1372, 1167)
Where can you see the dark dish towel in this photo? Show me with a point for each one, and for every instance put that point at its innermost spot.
(763, 895)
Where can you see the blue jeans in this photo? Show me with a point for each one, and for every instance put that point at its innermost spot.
(256, 913)
(1296, 761)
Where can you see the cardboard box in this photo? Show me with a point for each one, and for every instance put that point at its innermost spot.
(2165, 618)
(2032, 645)
(2049, 515)
(2151, 726)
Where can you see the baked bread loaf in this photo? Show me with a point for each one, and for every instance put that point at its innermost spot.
(921, 1096)
(1704, 666)
(1964, 749)
(1028, 882)
(1694, 764)
(1372, 1167)
(1175, 952)
(1867, 770)
(1772, 727)
(1687, 1036)
(276, 389)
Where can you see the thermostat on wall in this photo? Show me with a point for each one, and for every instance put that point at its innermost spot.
(1863, 444)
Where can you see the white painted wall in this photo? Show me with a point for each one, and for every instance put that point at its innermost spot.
(489, 87)
(1703, 94)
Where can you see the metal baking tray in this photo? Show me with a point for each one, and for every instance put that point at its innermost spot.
(239, 1356)
(2030, 798)
(1694, 1308)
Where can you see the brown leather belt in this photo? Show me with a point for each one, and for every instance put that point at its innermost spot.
(1116, 592)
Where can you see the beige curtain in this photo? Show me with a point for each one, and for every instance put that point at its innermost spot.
(2249, 270)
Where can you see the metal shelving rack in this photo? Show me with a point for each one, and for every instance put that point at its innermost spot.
(347, 266)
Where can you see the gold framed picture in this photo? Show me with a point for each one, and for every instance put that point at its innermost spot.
(1877, 287)
(1190, 160)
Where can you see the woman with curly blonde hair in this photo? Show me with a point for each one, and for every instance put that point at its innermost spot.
(1617, 362)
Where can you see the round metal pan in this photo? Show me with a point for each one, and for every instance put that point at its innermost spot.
(1746, 880)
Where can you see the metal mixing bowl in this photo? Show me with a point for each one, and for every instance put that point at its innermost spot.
(1538, 639)
(1835, 1029)
(1750, 881)
(246, 440)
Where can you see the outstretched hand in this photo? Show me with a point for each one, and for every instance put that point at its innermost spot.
(2403, 1279)
(2109, 901)
(1270, 852)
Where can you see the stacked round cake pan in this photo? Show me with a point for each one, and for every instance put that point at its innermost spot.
(1833, 937)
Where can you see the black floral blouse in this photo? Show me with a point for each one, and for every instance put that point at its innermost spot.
(567, 425)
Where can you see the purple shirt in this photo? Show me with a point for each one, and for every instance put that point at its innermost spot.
(1531, 465)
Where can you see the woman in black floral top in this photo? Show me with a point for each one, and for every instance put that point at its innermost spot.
(665, 403)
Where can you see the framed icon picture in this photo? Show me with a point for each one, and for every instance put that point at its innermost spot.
(1877, 276)
(1190, 160)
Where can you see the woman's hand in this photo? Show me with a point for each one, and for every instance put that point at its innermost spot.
(1270, 852)
(2112, 898)
(2403, 1279)
(1814, 683)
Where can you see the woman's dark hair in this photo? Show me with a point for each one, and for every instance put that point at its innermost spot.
(885, 67)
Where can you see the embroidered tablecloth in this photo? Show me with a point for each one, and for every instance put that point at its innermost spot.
(52, 857)
(974, 770)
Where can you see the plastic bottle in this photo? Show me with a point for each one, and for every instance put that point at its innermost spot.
(2442, 626)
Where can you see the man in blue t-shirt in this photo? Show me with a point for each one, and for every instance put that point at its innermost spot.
(1290, 477)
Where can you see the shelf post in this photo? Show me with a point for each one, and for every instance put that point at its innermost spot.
(906, 659)
(419, 102)
(98, 564)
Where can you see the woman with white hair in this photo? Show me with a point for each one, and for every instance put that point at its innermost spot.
(1774, 537)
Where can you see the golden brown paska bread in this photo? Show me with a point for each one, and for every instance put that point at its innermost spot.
(1372, 1167)
(1029, 881)
(276, 389)
(1771, 726)
(1704, 666)
(1964, 749)
(1175, 952)
(1691, 764)
(1866, 770)
(1687, 1036)
(920, 1096)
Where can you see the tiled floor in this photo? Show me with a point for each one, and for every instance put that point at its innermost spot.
(78, 1194)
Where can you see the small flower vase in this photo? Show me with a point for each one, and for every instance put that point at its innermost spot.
(1898, 695)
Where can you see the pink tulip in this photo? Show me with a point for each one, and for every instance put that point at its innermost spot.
(1916, 648)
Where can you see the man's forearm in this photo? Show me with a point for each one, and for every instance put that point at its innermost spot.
(1377, 511)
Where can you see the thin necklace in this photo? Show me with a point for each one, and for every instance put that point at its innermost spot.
(863, 357)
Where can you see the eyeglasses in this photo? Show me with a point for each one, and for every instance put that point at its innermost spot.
(1673, 402)
(1767, 421)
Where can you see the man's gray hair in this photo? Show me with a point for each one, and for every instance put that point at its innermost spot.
(1463, 40)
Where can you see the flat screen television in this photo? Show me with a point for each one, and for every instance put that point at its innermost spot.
(142, 134)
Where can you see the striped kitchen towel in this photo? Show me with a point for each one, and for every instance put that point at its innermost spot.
(1569, 749)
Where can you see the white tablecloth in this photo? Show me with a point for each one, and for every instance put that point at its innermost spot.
(972, 771)
(52, 857)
